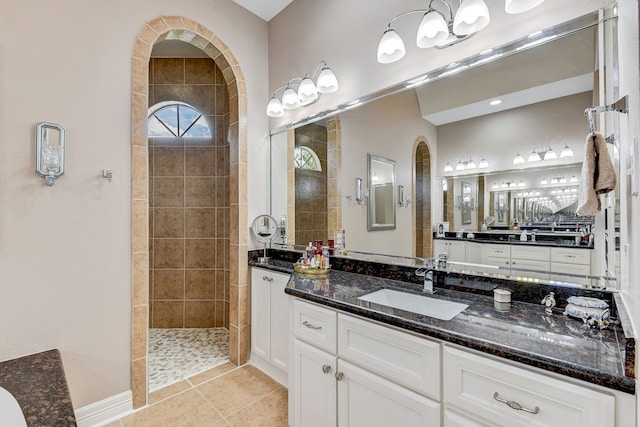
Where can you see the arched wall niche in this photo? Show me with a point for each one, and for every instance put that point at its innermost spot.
(189, 31)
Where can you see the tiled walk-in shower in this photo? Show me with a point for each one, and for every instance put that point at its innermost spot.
(176, 354)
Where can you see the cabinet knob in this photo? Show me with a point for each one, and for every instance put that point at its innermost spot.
(268, 279)
(311, 325)
(339, 376)
(514, 405)
(326, 369)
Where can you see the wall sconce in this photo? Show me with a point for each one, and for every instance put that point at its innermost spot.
(444, 28)
(360, 197)
(307, 92)
(402, 201)
(50, 151)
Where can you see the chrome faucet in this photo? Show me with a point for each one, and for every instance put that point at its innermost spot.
(427, 276)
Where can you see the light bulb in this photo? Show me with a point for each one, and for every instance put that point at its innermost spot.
(471, 17)
(518, 159)
(327, 81)
(460, 166)
(391, 47)
(307, 91)
(483, 164)
(470, 165)
(550, 154)
(534, 157)
(275, 108)
(448, 167)
(566, 152)
(290, 100)
(432, 31)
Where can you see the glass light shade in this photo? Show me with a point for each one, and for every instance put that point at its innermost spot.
(448, 167)
(544, 181)
(327, 81)
(275, 108)
(573, 179)
(534, 157)
(290, 100)
(520, 6)
(566, 152)
(470, 165)
(504, 185)
(460, 166)
(563, 180)
(550, 154)
(391, 47)
(307, 91)
(471, 17)
(518, 159)
(432, 31)
(483, 164)
(521, 183)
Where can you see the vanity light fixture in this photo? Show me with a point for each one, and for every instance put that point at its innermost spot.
(483, 163)
(566, 151)
(307, 91)
(454, 22)
(466, 164)
(50, 151)
(448, 167)
(518, 159)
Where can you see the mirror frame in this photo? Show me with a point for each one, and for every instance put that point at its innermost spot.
(372, 205)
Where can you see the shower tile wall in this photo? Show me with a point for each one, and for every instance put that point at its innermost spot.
(189, 202)
(311, 188)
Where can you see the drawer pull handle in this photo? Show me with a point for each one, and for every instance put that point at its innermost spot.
(326, 369)
(515, 405)
(311, 326)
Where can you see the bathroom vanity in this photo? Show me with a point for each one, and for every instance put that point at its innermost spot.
(357, 362)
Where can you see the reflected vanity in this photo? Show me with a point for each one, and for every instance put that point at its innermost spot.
(466, 200)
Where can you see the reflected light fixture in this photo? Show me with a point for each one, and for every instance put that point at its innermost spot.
(50, 151)
(451, 23)
(534, 157)
(483, 163)
(518, 159)
(307, 91)
(466, 164)
(566, 151)
(549, 154)
(460, 166)
(573, 179)
(448, 167)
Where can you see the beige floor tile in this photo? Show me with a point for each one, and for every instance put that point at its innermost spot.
(168, 391)
(211, 373)
(235, 390)
(184, 410)
(113, 424)
(270, 411)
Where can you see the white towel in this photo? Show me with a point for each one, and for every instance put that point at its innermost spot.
(598, 175)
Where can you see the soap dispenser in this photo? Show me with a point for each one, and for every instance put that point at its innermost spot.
(523, 236)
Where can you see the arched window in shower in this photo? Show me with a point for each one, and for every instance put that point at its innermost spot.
(306, 158)
(176, 120)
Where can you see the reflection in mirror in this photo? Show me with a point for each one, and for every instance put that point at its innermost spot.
(553, 82)
(381, 204)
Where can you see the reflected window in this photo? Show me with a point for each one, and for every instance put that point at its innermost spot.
(306, 158)
(177, 120)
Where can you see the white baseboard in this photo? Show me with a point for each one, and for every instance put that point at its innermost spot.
(105, 411)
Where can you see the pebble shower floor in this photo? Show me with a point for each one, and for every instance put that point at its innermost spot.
(176, 354)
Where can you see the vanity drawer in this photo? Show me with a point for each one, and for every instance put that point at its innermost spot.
(498, 251)
(406, 359)
(571, 256)
(533, 253)
(315, 325)
(475, 384)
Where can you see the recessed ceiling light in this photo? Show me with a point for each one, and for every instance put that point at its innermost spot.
(495, 102)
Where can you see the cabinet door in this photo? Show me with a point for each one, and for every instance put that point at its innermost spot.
(440, 247)
(457, 251)
(527, 264)
(314, 400)
(279, 321)
(260, 313)
(365, 399)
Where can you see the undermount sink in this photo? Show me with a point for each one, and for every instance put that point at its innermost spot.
(10, 412)
(427, 306)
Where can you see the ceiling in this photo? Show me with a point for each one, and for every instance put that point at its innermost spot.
(265, 9)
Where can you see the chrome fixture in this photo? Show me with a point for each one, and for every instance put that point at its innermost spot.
(546, 153)
(403, 201)
(467, 164)
(307, 91)
(50, 151)
(456, 21)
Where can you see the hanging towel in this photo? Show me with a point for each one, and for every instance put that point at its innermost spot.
(598, 175)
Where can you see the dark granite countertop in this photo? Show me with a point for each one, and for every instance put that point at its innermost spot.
(39, 385)
(524, 333)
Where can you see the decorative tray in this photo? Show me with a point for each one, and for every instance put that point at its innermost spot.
(299, 268)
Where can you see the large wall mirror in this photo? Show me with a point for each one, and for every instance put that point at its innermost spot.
(381, 213)
(444, 117)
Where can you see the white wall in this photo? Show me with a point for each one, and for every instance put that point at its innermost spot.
(65, 251)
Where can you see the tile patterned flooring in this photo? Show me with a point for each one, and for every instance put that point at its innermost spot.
(222, 396)
(176, 354)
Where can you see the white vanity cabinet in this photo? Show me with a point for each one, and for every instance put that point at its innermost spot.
(481, 391)
(455, 249)
(270, 322)
(572, 261)
(350, 372)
